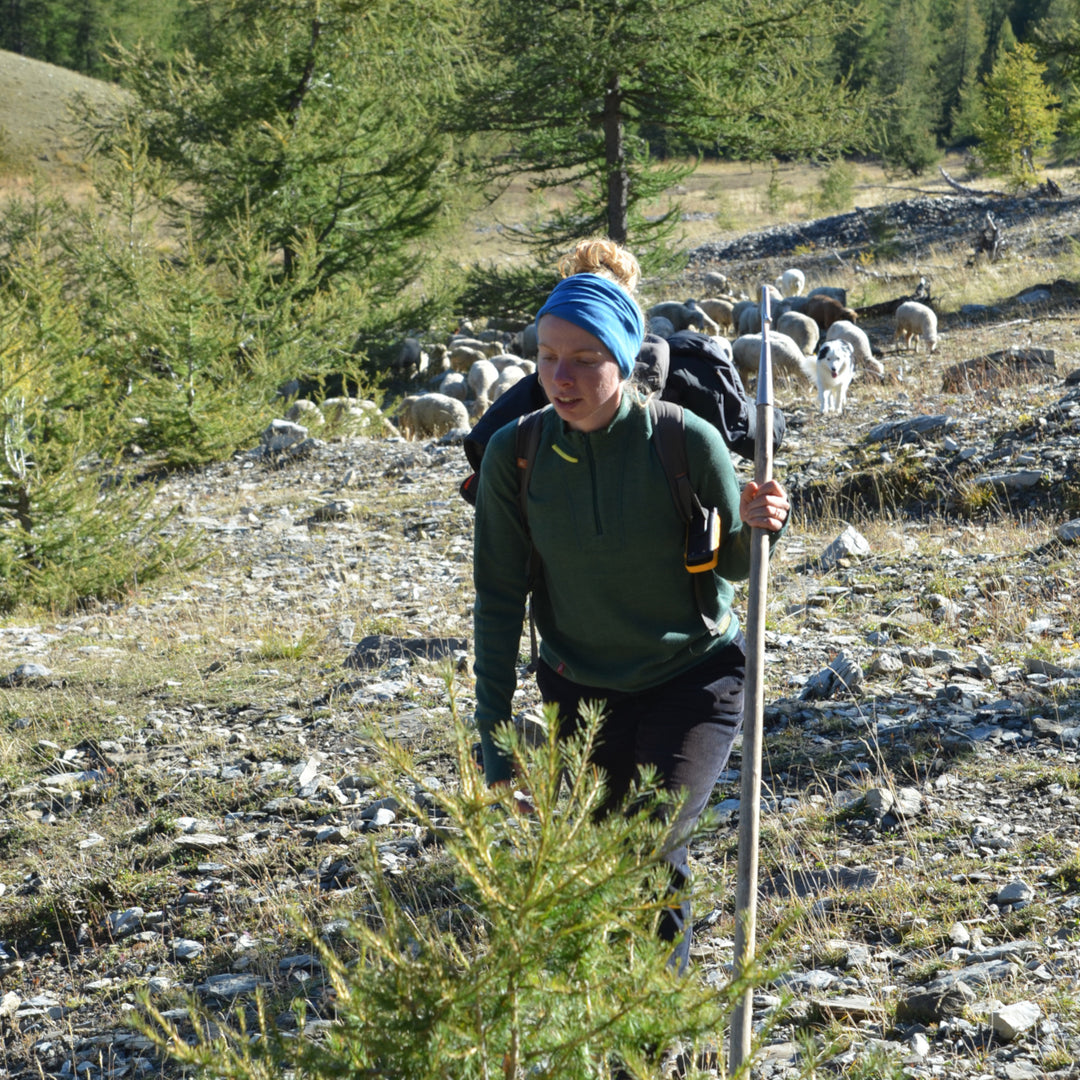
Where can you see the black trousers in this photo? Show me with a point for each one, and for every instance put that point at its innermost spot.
(684, 728)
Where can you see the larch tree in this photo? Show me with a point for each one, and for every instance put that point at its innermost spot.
(562, 90)
(306, 121)
(1019, 116)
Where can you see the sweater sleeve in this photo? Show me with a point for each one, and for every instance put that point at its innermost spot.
(501, 549)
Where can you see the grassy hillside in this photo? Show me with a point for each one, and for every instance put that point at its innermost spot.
(35, 128)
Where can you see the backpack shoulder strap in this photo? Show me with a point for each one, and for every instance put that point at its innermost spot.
(526, 446)
(669, 438)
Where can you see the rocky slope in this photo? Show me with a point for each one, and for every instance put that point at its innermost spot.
(179, 768)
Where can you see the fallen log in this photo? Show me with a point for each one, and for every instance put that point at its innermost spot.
(957, 186)
(888, 307)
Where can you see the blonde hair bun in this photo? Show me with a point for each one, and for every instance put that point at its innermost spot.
(603, 257)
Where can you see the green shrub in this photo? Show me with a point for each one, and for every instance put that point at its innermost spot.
(836, 188)
(546, 964)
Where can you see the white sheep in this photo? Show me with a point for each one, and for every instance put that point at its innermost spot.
(717, 282)
(462, 357)
(507, 377)
(683, 316)
(487, 347)
(719, 309)
(800, 328)
(844, 330)
(791, 282)
(786, 355)
(915, 321)
(420, 415)
(454, 384)
(481, 377)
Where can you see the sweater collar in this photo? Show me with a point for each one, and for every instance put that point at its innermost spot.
(572, 439)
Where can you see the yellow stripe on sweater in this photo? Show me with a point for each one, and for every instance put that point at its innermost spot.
(564, 455)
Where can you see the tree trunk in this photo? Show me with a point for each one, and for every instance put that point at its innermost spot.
(618, 180)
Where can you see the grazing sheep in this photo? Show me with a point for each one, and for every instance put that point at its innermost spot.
(800, 328)
(708, 326)
(507, 378)
(793, 303)
(834, 291)
(824, 310)
(488, 348)
(462, 357)
(915, 321)
(855, 336)
(749, 320)
(719, 309)
(681, 316)
(736, 311)
(786, 354)
(410, 358)
(481, 378)
(717, 282)
(791, 282)
(421, 415)
(454, 384)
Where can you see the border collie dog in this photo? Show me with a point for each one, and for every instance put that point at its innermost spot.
(833, 373)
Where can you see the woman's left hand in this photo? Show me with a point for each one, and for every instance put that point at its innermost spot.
(764, 506)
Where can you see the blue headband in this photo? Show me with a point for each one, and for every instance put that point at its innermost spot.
(603, 309)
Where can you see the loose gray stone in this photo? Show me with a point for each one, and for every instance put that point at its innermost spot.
(1011, 1021)
(282, 435)
(934, 1002)
(125, 922)
(230, 986)
(849, 544)
(1015, 892)
(376, 650)
(187, 950)
(1068, 532)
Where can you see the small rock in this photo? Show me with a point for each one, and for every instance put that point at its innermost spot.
(1069, 531)
(1012, 1020)
(1016, 892)
(187, 950)
(850, 543)
(934, 1002)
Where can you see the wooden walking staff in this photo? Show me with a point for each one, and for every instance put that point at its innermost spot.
(753, 710)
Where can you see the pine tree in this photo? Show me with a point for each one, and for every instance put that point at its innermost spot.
(1019, 116)
(307, 118)
(1057, 39)
(963, 38)
(561, 90)
(905, 85)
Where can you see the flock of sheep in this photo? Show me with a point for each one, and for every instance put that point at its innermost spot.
(472, 370)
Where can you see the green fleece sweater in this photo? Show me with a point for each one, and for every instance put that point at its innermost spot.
(615, 606)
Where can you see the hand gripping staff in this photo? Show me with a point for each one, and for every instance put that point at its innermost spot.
(753, 709)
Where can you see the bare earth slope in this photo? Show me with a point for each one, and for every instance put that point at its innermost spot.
(33, 110)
